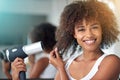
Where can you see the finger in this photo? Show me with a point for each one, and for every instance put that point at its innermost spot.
(50, 61)
(21, 67)
(56, 53)
(52, 54)
(21, 60)
(18, 60)
(20, 63)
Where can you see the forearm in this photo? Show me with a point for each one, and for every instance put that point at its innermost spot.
(30, 69)
(15, 77)
(8, 75)
(63, 74)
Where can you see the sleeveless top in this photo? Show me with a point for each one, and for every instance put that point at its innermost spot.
(50, 70)
(92, 71)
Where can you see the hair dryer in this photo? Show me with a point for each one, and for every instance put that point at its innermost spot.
(21, 52)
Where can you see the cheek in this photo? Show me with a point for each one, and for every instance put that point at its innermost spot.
(99, 35)
(78, 36)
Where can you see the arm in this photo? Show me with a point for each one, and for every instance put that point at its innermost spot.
(56, 61)
(31, 59)
(6, 66)
(109, 69)
(61, 75)
(16, 66)
(39, 67)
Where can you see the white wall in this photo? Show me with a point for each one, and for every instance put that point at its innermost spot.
(117, 44)
(57, 8)
(117, 47)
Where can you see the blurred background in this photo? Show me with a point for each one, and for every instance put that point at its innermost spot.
(17, 17)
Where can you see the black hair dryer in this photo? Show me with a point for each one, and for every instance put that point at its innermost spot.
(21, 52)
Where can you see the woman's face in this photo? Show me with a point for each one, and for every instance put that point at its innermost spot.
(88, 35)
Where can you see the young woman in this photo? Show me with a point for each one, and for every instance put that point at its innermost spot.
(91, 25)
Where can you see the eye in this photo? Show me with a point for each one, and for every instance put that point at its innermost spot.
(81, 29)
(95, 26)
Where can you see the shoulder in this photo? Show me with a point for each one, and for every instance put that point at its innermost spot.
(111, 62)
(112, 58)
(43, 59)
(109, 68)
(41, 55)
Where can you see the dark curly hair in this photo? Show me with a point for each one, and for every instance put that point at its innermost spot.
(88, 10)
(44, 32)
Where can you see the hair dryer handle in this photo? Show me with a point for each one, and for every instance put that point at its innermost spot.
(22, 75)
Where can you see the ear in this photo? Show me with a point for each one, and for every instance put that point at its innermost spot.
(74, 35)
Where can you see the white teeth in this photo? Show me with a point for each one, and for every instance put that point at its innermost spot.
(89, 41)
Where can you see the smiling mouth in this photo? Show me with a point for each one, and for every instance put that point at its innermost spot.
(89, 42)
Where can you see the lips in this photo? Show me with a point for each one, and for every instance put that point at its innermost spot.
(89, 42)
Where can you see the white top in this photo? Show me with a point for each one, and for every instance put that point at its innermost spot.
(50, 70)
(92, 71)
(41, 55)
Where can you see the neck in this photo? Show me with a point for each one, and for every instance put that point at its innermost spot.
(92, 55)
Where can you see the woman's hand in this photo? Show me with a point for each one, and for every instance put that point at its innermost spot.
(56, 60)
(17, 66)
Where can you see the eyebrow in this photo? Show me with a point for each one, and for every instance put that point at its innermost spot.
(80, 26)
(95, 24)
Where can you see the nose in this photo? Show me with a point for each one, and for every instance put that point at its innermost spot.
(89, 33)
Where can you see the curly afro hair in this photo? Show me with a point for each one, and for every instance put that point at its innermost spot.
(88, 10)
